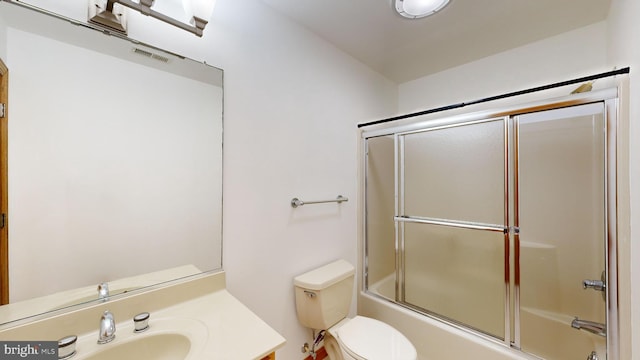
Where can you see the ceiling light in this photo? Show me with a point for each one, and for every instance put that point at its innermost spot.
(414, 9)
(199, 10)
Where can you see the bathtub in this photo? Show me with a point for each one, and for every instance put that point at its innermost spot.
(546, 334)
(550, 336)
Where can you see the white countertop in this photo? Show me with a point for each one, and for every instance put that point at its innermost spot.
(22, 309)
(234, 331)
(225, 328)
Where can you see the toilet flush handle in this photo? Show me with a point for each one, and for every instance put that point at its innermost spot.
(310, 294)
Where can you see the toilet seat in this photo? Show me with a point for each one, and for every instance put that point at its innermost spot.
(371, 339)
(332, 348)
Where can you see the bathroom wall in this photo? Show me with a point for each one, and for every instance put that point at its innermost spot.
(3, 39)
(291, 240)
(291, 105)
(623, 40)
(570, 55)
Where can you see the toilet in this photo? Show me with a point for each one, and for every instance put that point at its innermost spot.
(323, 298)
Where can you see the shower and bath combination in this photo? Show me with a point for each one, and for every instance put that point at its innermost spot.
(475, 220)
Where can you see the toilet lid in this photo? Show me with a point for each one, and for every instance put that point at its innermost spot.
(374, 340)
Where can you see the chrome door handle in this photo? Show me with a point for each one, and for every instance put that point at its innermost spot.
(599, 285)
(594, 284)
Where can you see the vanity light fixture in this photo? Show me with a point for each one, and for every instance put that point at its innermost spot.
(102, 12)
(415, 9)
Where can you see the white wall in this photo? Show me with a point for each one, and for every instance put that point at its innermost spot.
(570, 55)
(623, 38)
(3, 39)
(291, 105)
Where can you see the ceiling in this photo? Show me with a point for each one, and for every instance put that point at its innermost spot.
(464, 31)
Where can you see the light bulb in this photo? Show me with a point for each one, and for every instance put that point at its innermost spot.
(199, 8)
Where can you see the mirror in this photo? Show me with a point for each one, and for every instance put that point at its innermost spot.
(114, 163)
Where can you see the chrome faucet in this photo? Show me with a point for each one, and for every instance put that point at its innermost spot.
(103, 291)
(107, 328)
(590, 326)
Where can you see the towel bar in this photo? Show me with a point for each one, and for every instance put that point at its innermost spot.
(295, 202)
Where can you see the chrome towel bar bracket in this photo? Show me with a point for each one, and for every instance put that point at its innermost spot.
(295, 202)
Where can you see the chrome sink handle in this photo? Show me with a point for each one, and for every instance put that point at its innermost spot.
(67, 347)
(107, 328)
(141, 322)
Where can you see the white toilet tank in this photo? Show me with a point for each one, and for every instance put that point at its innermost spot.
(323, 295)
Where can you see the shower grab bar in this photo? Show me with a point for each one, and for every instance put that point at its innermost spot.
(453, 223)
(295, 202)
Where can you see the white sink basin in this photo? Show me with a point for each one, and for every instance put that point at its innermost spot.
(166, 339)
(152, 347)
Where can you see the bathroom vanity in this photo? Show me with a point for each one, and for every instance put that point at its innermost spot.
(106, 165)
(193, 319)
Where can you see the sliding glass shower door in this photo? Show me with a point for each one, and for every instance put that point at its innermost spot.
(562, 239)
(499, 225)
(451, 222)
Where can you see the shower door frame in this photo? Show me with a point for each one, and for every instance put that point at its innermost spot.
(610, 100)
